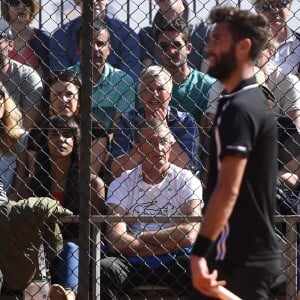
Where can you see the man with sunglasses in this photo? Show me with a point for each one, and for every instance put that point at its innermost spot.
(191, 87)
(168, 11)
(125, 47)
(287, 42)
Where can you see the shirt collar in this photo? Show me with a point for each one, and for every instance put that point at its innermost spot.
(242, 84)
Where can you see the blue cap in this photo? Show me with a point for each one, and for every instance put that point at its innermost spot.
(5, 30)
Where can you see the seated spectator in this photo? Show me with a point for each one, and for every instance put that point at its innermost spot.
(12, 146)
(287, 42)
(22, 82)
(31, 45)
(154, 92)
(113, 90)
(124, 43)
(57, 176)
(168, 11)
(285, 88)
(61, 96)
(290, 174)
(151, 253)
(190, 87)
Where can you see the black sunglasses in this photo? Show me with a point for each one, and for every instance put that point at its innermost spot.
(272, 6)
(27, 3)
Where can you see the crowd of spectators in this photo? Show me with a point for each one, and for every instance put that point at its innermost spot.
(152, 107)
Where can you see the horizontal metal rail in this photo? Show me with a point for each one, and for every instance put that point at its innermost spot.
(289, 241)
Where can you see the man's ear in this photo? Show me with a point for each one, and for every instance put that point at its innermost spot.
(245, 44)
(189, 47)
(11, 45)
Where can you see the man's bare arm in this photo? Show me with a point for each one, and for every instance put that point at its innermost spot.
(224, 197)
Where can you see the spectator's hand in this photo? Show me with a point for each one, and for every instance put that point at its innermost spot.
(202, 280)
(170, 8)
(160, 114)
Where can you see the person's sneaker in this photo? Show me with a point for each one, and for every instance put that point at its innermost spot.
(57, 292)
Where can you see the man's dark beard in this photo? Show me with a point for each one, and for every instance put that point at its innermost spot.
(224, 65)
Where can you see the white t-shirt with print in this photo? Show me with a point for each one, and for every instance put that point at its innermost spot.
(137, 197)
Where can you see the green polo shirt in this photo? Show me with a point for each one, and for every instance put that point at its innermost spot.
(114, 92)
(192, 94)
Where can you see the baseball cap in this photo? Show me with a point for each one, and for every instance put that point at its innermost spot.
(5, 30)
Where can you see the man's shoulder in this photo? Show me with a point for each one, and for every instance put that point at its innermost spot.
(67, 28)
(117, 76)
(198, 76)
(178, 174)
(127, 177)
(21, 69)
(117, 26)
(180, 116)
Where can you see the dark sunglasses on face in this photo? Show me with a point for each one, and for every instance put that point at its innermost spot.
(175, 45)
(26, 3)
(266, 6)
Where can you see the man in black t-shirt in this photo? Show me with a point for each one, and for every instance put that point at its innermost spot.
(236, 239)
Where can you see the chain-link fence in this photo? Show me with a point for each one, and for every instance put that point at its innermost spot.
(73, 101)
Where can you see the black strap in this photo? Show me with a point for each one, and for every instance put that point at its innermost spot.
(297, 34)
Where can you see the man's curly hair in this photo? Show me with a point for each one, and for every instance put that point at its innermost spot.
(243, 24)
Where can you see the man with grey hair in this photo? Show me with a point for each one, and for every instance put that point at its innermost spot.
(155, 92)
(151, 252)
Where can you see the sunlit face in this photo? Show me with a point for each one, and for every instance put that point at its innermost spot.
(221, 52)
(276, 11)
(173, 49)
(5, 47)
(101, 47)
(155, 146)
(60, 142)
(20, 10)
(153, 95)
(64, 98)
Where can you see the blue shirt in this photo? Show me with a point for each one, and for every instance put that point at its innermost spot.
(114, 92)
(125, 54)
(182, 125)
(192, 94)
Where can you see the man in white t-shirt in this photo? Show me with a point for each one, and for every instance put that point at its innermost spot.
(140, 251)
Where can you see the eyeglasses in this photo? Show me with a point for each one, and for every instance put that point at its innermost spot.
(26, 3)
(1, 95)
(267, 6)
(174, 45)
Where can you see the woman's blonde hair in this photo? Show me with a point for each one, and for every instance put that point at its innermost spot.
(34, 9)
(10, 124)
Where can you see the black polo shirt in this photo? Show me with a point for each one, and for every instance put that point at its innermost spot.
(245, 127)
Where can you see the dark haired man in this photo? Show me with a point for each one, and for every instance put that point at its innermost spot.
(125, 52)
(236, 239)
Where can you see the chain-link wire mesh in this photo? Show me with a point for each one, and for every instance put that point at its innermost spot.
(72, 101)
